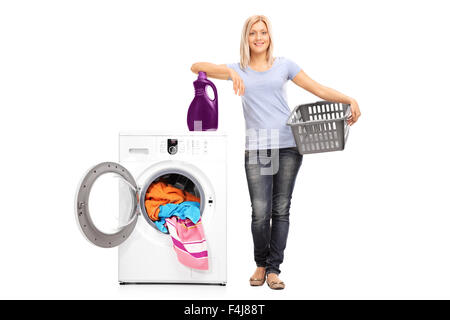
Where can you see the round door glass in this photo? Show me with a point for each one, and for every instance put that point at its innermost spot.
(107, 204)
(111, 203)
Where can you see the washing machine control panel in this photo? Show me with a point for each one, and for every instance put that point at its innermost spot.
(161, 147)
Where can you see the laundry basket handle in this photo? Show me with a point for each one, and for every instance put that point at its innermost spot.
(348, 112)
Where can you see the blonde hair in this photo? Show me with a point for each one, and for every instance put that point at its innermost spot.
(245, 49)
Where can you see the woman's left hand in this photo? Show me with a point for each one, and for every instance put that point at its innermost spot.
(355, 112)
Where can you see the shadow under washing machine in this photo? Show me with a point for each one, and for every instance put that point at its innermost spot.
(194, 162)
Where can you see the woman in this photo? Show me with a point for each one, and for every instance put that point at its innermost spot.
(271, 163)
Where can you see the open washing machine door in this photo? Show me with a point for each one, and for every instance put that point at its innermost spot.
(89, 229)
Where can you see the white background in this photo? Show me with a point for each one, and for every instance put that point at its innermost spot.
(370, 222)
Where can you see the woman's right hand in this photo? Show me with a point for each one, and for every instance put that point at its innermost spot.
(238, 83)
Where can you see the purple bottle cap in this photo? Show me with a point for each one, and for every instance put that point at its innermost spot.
(201, 75)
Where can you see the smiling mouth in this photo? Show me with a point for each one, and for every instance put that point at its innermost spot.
(259, 44)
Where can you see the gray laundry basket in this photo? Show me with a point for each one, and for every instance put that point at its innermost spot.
(320, 126)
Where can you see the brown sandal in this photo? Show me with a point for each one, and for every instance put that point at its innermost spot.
(257, 282)
(275, 285)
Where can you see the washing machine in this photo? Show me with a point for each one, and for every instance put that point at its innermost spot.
(195, 162)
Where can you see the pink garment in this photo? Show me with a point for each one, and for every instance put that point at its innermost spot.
(188, 242)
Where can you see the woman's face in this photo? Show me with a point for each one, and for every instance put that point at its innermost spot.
(258, 38)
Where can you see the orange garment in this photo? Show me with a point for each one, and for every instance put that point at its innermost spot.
(160, 193)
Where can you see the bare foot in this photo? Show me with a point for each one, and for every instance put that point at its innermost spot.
(258, 277)
(273, 277)
(259, 274)
(274, 282)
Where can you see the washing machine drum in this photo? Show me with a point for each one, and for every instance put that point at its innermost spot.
(177, 180)
(176, 177)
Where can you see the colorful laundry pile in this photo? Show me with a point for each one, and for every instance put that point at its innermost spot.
(178, 212)
(160, 193)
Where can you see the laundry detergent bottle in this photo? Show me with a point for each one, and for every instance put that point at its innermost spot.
(203, 113)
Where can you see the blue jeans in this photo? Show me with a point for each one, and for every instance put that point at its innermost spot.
(271, 178)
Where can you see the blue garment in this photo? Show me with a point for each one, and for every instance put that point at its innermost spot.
(187, 209)
(265, 104)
